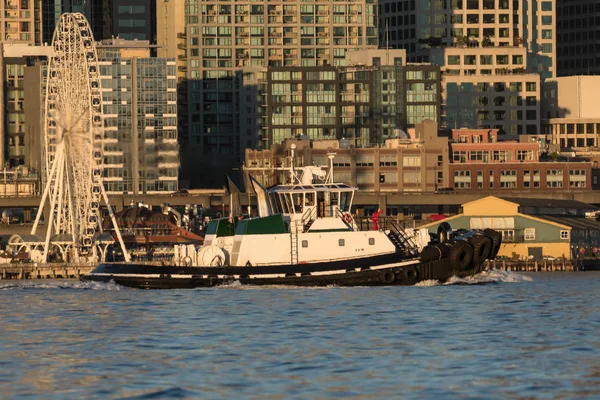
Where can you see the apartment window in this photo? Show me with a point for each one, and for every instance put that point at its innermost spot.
(462, 179)
(459, 156)
(453, 60)
(485, 60)
(387, 161)
(411, 161)
(364, 178)
(472, 4)
(480, 179)
(478, 155)
(525, 155)
(364, 160)
(529, 233)
(411, 177)
(388, 177)
(564, 234)
(546, 48)
(554, 184)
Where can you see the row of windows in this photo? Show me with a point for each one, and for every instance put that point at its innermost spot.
(486, 87)
(462, 179)
(461, 156)
(485, 60)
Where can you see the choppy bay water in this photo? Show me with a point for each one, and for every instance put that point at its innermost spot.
(527, 336)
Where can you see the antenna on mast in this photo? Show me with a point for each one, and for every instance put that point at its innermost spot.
(293, 155)
(329, 178)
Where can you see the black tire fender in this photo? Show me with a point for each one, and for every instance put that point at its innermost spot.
(461, 255)
(482, 248)
(387, 277)
(496, 241)
(410, 274)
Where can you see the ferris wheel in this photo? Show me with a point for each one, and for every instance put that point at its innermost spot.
(73, 134)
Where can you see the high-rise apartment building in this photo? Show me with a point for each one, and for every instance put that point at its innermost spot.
(170, 32)
(20, 21)
(134, 19)
(20, 107)
(489, 88)
(421, 25)
(97, 12)
(222, 37)
(539, 36)
(577, 37)
(362, 103)
(493, 54)
(139, 99)
(20, 31)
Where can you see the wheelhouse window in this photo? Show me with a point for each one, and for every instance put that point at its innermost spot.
(345, 201)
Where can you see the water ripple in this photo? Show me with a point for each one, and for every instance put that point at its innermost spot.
(528, 336)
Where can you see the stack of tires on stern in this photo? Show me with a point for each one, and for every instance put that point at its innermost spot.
(460, 253)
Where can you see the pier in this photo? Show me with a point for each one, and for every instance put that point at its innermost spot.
(44, 271)
(535, 266)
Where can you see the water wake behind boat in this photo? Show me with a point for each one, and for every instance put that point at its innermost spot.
(54, 285)
(482, 278)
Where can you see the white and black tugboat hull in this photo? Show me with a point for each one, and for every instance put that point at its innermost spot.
(372, 271)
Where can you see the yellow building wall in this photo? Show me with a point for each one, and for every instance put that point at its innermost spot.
(548, 249)
(490, 206)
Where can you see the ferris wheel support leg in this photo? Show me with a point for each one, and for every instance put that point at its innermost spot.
(114, 221)
(59, 160)
(71, 221)
(44, 197)
(61, 188)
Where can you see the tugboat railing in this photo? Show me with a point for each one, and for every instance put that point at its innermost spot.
(308, 218)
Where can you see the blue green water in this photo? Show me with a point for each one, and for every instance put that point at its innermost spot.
(526, 336)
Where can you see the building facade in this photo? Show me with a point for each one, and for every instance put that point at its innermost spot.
(18, 140)
(97, 12)
(414, 165)
(139, 98)
(418, 26)
(170, 33)
(362, 104)
(134, 19)
(222, 37)
(532, 228)
(487, 87)
(21, 21)
(578, 33)
(571, 116)
(479, 162)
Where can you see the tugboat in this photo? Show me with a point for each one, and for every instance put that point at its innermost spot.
(305, 235)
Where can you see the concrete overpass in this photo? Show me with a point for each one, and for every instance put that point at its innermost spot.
(217, 198)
